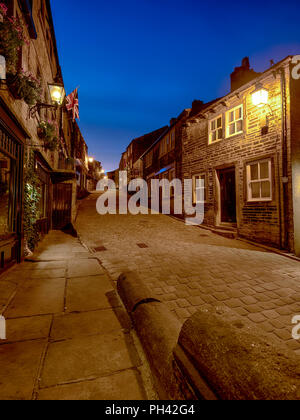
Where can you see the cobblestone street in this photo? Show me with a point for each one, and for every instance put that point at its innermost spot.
(191, 268)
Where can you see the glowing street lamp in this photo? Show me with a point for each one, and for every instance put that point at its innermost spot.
(57, 93)
(260, 96)
(91, 160)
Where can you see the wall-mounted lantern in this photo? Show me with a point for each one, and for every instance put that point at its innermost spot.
(260, 96)
(57, 95)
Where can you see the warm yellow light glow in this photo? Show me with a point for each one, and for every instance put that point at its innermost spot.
(91, 160)
(103, 171)
(57, 94)
(260, 97)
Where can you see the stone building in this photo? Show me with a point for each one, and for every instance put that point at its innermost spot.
(37, 148)
(163, 159)
(135, 149)
(246, 148)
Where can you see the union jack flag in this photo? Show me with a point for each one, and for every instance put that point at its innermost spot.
(73, 104)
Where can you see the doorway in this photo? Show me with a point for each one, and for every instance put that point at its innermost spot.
(228, 195)
(62, 205)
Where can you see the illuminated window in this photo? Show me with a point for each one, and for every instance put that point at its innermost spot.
(216, 129)
(199, 189)
(259, 180)
(234, 121)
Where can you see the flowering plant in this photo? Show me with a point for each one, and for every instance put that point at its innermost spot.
(12, 37)
(3, 9)
(26, 86)
(47, 130)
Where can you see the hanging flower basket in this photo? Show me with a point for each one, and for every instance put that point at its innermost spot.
(51, 144)
(47, 131)
(12, 37)
(25, 86)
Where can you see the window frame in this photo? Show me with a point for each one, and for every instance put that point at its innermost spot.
(149, 159)
(210, 131)
(202, 174)
(250, 199)
(172, 139)
(227, 122)
(166, 144)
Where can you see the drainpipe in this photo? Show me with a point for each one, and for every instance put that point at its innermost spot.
(284, 179)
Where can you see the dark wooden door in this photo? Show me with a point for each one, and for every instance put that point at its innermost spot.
(228, 196)
(62, 205)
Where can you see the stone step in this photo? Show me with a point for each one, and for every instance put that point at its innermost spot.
(226, 233)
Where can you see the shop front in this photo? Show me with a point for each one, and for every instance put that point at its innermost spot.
(11, 191)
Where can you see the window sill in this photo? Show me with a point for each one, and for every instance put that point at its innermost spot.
(261, 201)
(215, 142)
(235, 135)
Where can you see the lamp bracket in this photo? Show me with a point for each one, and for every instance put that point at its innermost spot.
(36, 108)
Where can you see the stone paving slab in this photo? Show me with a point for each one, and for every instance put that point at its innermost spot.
(19, 367)
(80, 359)
(120, 386)
(76, 325)
(38, 297)
(88, 293)
(190, 268)
(90, 267)
(31, 328)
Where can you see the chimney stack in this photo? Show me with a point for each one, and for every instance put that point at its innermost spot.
(242, 75)
(197, 106)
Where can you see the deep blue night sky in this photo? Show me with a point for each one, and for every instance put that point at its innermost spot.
(141, 62)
